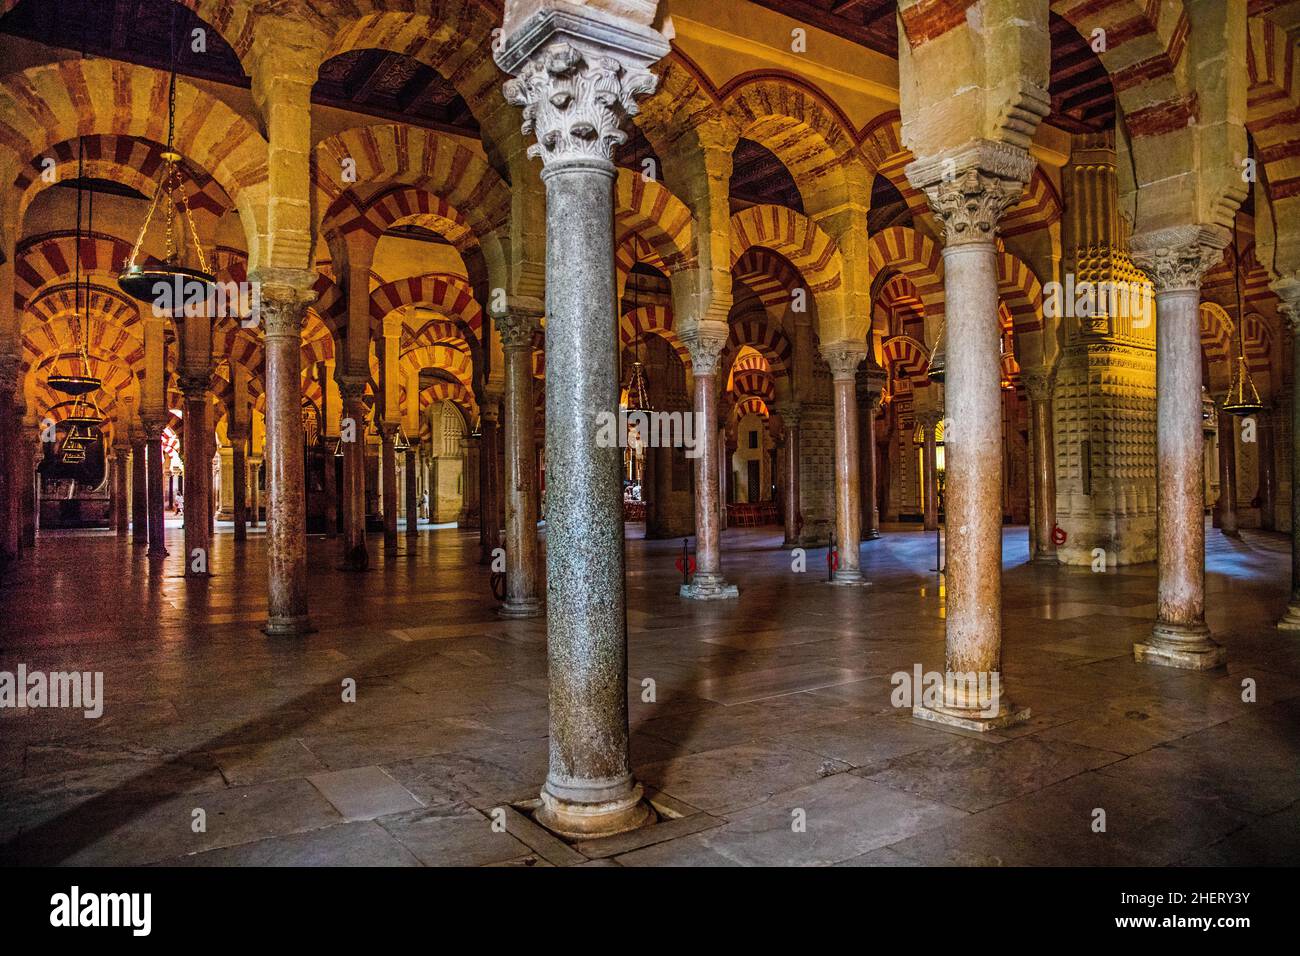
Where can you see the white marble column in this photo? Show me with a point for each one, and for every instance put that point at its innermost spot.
(579, 71)
(1176, 259)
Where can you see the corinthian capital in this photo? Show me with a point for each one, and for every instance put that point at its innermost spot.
(705, 341)
(1288, 290)
(971, 188)
(518, 324)
(844, 359)
(579, 70)
(281, 300)
(576, 103)
(1177, 258)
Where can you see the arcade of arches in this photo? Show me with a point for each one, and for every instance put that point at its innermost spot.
(856, 263)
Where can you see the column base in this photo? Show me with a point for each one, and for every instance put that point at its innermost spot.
(871, 535)
(1047, 558)
(588, 821)
(1291, 618)
(969, 718)
(709, 587)
(1186, 646)
(514, 610)
(848, 578)
(296, 626)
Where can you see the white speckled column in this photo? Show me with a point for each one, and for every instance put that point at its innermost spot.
(517, 329)
(1038, 385)
(705, 341)
(969, 191)
(844, 359)
(283, 304)
(1289, 292)
(1176, 259)
(578, 73)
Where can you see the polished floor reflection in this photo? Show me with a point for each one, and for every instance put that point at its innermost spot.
(763, 728)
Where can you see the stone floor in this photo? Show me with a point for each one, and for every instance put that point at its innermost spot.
(767, 713)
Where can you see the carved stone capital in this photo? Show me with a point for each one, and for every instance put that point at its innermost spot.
(282, 297)
(1176, 259)
(1038, 383)
(352, 391)
(844, 359)
(705, 341)
(969, 189)
(1288, 290)
(576, 102)
(517, 328)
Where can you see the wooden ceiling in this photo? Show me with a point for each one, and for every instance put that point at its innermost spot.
(1082, 98)
(372, 82)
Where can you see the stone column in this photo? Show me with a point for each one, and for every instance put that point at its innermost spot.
(1176, 259)
(705, 341)
(1227, 505)
(353, 425)
(254, 493)
(1289, 292)
(844, 359)
(1267, 474)
(285, 297)
(469, 506)
(412, 493)
(489, 533)
(239, 482)
(139, 498)
(969, 190)
(11, 416)
(575, 94)
(870, 481)
(793, 520)
(1042, 448)
(121, 451)
(198, 476)
(388, 465)
(154, 480)
(31, 497)
(517, 329)
(929, 422)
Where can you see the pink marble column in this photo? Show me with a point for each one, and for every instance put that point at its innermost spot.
(870, 479)
(121, 463)
(239, 479)
(969, 190)
(155, 471)
(1038, 385)
(844, 359)
(356, 557)
(198, 476)
(139, 497)
(412, 493)
(1176, 259)
(517, 329)
(388, 465)
(793, 518)
(705, 340)
(283, 305)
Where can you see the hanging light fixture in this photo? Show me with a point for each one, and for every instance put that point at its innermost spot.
(79, 383)
(1243, 397)
(186, 277)
(638, 391)
(400, 441)
(936, 369)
